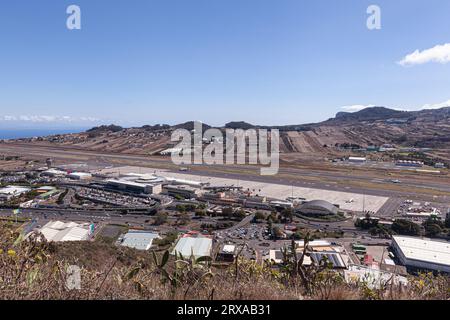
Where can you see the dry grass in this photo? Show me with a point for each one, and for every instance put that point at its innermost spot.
(31, 269)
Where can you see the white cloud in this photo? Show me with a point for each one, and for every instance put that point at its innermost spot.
(46, 118)
(436, 105)
(356, 107)
(438, 54)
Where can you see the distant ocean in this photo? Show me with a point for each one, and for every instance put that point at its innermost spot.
(30, 133)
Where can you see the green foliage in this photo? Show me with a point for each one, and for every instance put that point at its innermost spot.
(193, 271)
(200, 213)
(169, 239)
(434, 226)
(161, 218)
(405, 227)
(32, 269)
(259, 216)
(62, 196)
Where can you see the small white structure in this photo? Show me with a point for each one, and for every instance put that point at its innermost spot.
(423, 253)
(175, 151)
(357, 159)
(79, 176)
(276, 256)
(313, 244)
(198, 247)
(423, 214)
(58, 231)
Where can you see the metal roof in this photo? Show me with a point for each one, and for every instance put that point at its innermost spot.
(322, 204)
(332, 257)
(314, 243)
(424, 249)
(139, 240)
(198, 247)
(12, 190)
(59, 231)
(228, 248)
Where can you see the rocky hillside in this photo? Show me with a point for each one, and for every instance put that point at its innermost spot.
(372, 126)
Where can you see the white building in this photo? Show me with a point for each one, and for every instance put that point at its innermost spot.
(131, 186)
(79, 176)
(139, 240)
(357, 159)
(10, 192)
(58, 231)
(198, 247)
(54, 173)
(418, 253)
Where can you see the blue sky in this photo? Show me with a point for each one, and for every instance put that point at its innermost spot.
(263, 61)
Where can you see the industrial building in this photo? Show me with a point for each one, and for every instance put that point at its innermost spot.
(422, 254)
(11, 192)
(184, 191)
(196, 246)
(135, 187)
(58, 231)
(318, 208)
(227, 253)
(139, 240)
(334, 258)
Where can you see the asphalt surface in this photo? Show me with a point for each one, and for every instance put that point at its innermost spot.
(338, 179)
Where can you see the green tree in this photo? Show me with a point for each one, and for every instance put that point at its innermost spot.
(288, 214)
(277, 233)
(432, 230)
(200, 213)
(161, 218)
(239, 214)
(447, 220)
(406, 227)
(259, 216)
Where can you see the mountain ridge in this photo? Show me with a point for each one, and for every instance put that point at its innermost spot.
(371, 126)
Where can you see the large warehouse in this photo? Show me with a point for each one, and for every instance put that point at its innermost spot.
(318, 208)
(422, 254)
(10, 192)
(198, 247)
(58, 231)
(139, 240)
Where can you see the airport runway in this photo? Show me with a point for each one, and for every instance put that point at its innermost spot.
(424, 188)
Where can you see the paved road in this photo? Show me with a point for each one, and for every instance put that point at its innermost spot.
(241, 224)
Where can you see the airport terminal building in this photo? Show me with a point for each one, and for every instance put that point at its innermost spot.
(318, 208)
